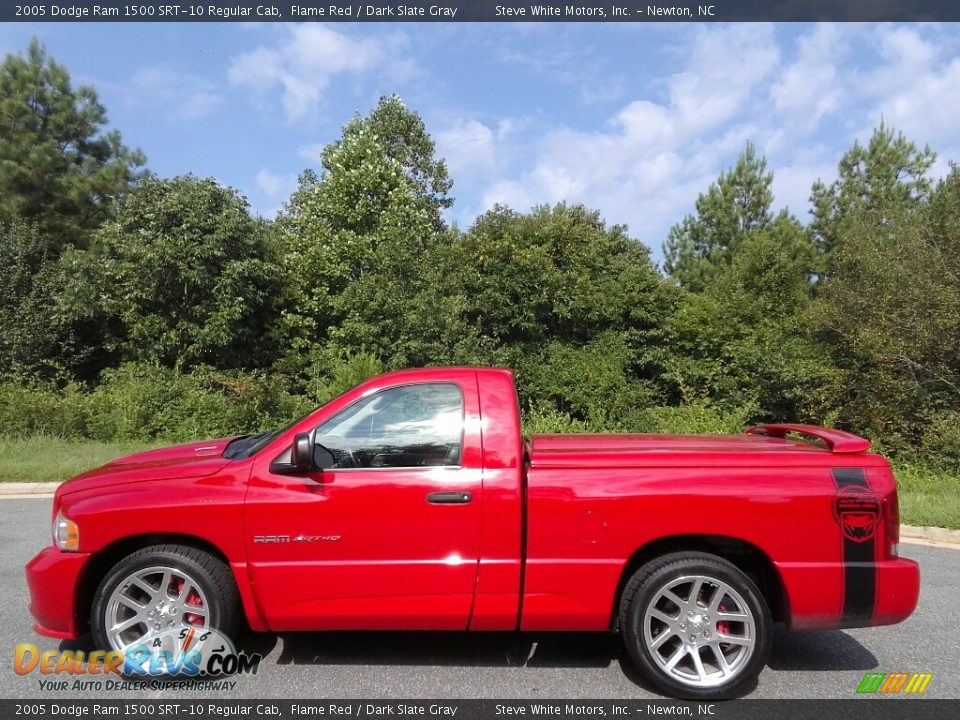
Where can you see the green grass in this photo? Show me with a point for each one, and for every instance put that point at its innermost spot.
(40, 459)
(928, 496)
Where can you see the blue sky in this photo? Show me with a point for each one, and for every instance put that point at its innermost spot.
(634, 120)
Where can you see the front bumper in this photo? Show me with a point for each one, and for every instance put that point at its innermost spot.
(53, 578)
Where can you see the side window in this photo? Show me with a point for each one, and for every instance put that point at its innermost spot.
(408, 426)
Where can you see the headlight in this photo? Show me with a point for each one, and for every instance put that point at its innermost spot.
(66, 534)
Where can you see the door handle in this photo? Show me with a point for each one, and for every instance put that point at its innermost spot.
(457, 497)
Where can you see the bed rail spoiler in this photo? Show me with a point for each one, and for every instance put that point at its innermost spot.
(839, 441)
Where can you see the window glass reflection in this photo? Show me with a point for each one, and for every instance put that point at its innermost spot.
(409, 426)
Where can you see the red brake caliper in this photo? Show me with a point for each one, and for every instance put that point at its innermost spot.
(723, 626)
(192, 599)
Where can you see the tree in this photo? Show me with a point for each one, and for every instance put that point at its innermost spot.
(404, 138)
(362, 246)
(188, 275)
(557, 273)
(735, 205)
(742, 342)
(23, 253)
(875, 183)
(890, 311)
(541, 290)
(52, 321)
(59, 167)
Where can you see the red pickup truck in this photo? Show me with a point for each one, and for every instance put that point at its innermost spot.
(413, 502)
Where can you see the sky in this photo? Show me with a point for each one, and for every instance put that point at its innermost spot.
(633, 120)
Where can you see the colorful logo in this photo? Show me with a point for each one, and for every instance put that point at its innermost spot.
(894, 683)
(187, 652)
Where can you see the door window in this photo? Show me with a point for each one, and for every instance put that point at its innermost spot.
(408, 426)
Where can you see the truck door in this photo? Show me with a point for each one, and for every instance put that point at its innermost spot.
(385, 535)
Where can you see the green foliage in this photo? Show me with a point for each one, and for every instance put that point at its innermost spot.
(590, 383)
(940, 444)
(49, 310)
(140, 402)
(361, 245)
(345, 374)
(697, 418)
(575, 306)
(59, 168)
(738, 203)
(22, 255)
(150, 403)
(29, 410)
(743, 342)
(876, 184)
(186, 275)
(890, 309)
(555, 274)
(150, 309)
(550, 420)
(694, 418)
(403, 136)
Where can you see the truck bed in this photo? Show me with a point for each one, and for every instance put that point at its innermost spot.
(807, 444)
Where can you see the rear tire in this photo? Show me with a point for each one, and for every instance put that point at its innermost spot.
(163, 587)
(696, 626)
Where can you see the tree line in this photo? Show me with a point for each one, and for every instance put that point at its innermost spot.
(133, 305)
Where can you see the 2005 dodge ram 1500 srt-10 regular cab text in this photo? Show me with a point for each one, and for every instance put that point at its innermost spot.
(412, 502)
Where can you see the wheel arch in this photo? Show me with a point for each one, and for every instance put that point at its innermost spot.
(746, 556)
(103, 560)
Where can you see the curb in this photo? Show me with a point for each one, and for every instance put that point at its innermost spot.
(908, 533)
(929, 535)
(16, 489)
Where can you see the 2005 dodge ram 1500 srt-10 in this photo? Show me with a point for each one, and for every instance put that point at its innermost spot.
(412, 502)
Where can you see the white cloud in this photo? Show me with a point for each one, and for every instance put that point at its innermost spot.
(275, 185)
(182, 95)
(725, 67)
(813, 86)
(472, 148)
(802, 103)
(603, 91)
(648, 165)
(308, 58)
(916, 89)
(792, 183)
(509, 192)
(311, 152)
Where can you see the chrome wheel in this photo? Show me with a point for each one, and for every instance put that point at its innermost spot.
(699, 631)
(154, 601)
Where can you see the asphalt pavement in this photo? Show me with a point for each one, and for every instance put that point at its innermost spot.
(508, 665)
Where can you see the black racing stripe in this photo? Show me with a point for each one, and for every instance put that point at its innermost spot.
(845, 477)
(860, 572)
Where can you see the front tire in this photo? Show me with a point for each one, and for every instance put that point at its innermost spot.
(696, 626)
(162, 589)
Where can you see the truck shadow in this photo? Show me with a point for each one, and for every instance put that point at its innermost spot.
(449, 648)
(801, 651)
(813, 651)
(821, 650)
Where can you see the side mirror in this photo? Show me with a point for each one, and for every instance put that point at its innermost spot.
(301, 457)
